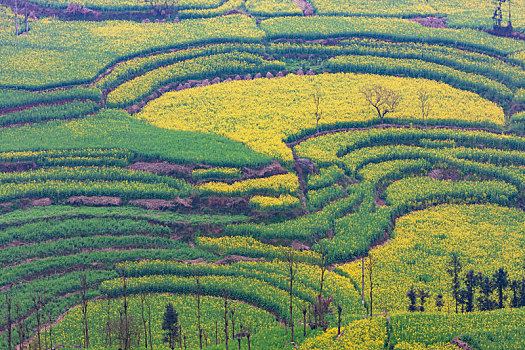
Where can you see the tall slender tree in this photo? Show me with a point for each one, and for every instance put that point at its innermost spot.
(501, 281)
(170, 324)
(225, 295)
(423, 295)
(471, 281)
(371, 283)
(292, 268)
(142, 296)
(198, 295)
(486, 289)
(8, 321)
(412, 297)
(84, 308)
(16, 17)
(454, 270)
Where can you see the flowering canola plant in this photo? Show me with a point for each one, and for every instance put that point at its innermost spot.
(261, 113)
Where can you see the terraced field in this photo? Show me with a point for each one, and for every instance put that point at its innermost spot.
(227, 158)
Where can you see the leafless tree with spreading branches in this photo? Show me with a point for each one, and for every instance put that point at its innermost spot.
(423, 97)
(384, 100)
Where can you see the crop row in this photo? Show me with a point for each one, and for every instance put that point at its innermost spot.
(138, 66)
(197, 68)
(59, 189)
(319, 198)
(420, 69)
(93, 174)
(56, 264)
(61, 53)
(10, 98)
(70, 246)
(385, 28)
(251, 290)
(63, 212)
(116, 129)
(425, 189)
(329, 148)
(274, 204)
(52, 112)
(274, 273)
(273, 185)
(325, 177)
(211, 311)
(248, 246)
(58, 229)
(216, 173)
(470, 62)
(86, 156)
(304, 228)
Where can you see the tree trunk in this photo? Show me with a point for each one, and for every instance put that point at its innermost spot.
(16, 17)
(291, 301)
(25, 13)
(8, 321)
(199, 312)
(363, 281)
(226, 317)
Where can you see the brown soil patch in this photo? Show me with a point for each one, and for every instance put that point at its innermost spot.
(231, 259)
(40, 202)
(153, 204)
(296, 245)
(270, 170)
(460, 344)
(306, 7)
(445, 174)
(162, 168)
(431, 21)
(17, 167)
(95, 201)
(229, 203)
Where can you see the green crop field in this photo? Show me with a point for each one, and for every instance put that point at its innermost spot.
(262, 174)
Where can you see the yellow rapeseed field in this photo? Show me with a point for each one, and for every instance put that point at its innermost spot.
(263, 112)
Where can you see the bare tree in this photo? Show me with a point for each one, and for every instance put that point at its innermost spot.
(292, 268)
(363, 281)
(37, 304)
(304, 321)
(339, 311)
(382, 99)
(371, 281)
(318, 113)
(16, 18)
(148, 305)
(84, 307)
(25, 15)
(126, 331)
(142, 296)
(8, 320)
(232, 315)
(108, 322)
(20, 329)
(423, 97)
(198, 282)
(225, 293)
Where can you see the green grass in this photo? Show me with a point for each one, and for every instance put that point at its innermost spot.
(116, 129)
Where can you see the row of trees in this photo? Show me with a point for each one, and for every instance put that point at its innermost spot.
(473, 291)
(382, 99)
(464, 289)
